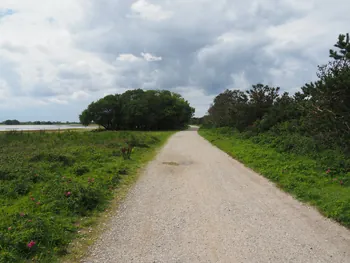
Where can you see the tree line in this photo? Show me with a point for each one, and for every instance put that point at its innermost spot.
(139, 110)
(11, 122)
(321, 110)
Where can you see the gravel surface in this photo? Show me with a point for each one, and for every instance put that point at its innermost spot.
(196, 204)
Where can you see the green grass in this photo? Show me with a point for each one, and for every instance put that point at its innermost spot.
(53, 185)
(305, 178)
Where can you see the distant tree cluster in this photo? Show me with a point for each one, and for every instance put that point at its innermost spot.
(11, 122)
(139, 110)
(48, 122)
(321, 109)
(197, 121)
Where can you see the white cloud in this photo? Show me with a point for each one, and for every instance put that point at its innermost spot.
(240, 81)
(128, 58)
(148, 11)
(4, 90)
(80, 95)
(144, 56)
(150, 57)
(57, 101)
(197, 97)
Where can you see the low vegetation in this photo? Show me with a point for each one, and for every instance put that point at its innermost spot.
(302, 141)
(50, 181)
(317, 178)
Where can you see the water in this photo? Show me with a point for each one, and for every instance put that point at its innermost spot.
(41, 127)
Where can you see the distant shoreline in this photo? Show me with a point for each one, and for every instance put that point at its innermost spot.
(45, 128)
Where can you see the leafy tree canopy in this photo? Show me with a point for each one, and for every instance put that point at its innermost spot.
(139, 110)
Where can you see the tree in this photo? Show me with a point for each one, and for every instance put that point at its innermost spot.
(261, 99)
(240, 109)
(11, 122)
(227, 108)
(285, 109)
(85, 118)
(104, 112)
(328, 98)
(343, 45)
(139, 110)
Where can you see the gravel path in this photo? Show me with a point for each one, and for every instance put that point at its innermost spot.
(195, 204)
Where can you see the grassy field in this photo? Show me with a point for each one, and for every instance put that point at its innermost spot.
(317, 181)
(51, 183)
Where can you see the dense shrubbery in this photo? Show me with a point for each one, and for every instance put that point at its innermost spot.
(139, 110)
(313, 124)
(49, 181)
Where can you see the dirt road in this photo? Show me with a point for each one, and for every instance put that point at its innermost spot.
(195, 204)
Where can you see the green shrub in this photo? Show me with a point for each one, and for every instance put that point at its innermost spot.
(81, 170)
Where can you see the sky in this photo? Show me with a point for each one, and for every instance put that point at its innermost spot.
(56, 57)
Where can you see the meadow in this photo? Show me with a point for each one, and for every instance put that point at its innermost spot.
(50, 181)
(318, 177)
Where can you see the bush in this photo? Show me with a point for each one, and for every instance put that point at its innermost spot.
(81, 170)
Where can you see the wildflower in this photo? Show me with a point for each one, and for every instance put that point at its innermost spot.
(328, 171)
(22, 214)
(32, 198)
(31, 244)
(10, 228)
(29, 220)
(38, 203)
(68, 194)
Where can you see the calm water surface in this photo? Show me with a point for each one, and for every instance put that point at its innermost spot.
(40, 127)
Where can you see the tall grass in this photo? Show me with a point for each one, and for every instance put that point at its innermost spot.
(49, 181)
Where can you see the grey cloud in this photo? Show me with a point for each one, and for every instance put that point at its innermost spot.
(71, 74)
(13, 48)
(9, 74)
(43, 90)
(192, 30)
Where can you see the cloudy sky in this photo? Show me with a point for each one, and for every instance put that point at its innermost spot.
(58, 56)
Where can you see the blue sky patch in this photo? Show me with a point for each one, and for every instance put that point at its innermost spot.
(6, 12)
